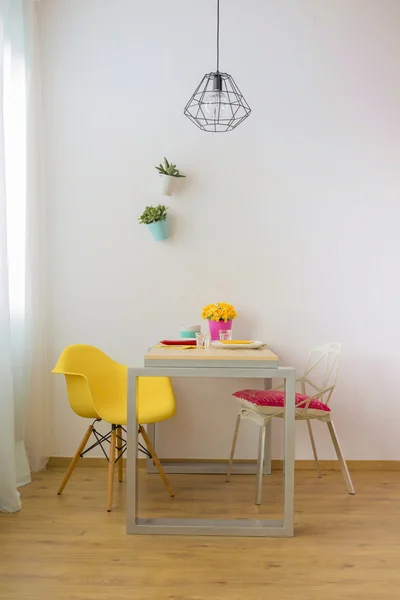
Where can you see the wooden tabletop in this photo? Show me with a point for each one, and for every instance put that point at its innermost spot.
(173, 356)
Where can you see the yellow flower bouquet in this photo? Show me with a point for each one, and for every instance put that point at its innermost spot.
(219, 317)
(219, 312)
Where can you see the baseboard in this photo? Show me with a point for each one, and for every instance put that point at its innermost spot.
(304, 465)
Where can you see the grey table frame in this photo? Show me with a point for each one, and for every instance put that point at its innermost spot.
(224, 527)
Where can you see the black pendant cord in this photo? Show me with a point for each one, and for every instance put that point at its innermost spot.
(217, 36)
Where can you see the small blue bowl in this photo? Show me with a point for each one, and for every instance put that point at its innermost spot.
(190, 332)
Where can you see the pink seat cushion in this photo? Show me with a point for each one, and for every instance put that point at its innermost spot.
(277, 399)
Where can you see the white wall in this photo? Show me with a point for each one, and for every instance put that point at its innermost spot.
(294, 217)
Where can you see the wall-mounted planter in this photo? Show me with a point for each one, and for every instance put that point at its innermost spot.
(159, 230)
(167, 184)
(169, 173)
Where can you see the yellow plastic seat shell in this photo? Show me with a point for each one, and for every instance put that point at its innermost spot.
(97, 388)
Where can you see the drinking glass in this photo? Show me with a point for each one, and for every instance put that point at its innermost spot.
(206, 339)
(225, 334)
(199, 340)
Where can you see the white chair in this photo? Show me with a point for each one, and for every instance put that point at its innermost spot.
(316, 385)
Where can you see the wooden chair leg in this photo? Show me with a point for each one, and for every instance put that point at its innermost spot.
(314, 448)
(111, 467)
(78, 453)
(119, 453)
(156, 460)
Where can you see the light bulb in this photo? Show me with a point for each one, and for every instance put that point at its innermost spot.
(215, 105)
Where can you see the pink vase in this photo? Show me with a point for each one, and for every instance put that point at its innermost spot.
(216, 326)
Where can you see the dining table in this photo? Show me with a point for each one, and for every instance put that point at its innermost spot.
(212, 362)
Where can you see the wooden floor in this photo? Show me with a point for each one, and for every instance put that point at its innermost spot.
(69, 547)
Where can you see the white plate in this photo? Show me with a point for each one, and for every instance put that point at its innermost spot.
(253, 345)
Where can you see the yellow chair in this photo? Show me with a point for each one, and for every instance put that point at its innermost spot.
(97, 389)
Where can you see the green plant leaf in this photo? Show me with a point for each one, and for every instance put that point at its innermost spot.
(169, 169)
(151, 214)
(160, 169)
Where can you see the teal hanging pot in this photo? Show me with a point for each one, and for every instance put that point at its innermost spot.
(159, 230)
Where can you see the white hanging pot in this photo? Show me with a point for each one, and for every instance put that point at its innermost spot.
(167, 183)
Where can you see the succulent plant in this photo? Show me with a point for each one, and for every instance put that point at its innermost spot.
(169, 169)
(151, 214)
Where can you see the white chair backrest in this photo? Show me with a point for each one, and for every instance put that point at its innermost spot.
(321, 371)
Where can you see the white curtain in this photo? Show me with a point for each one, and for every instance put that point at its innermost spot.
(24, 398)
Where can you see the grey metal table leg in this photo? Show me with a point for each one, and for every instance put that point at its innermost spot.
(289, 446)
(151, 432)
(132, 496)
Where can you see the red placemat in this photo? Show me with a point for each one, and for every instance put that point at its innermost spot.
(181, 342)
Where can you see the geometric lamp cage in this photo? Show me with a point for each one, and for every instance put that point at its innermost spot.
(217, 104)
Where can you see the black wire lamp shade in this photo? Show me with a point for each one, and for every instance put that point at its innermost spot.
(217, 104)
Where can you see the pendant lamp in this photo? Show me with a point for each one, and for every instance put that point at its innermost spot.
(217, 104)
